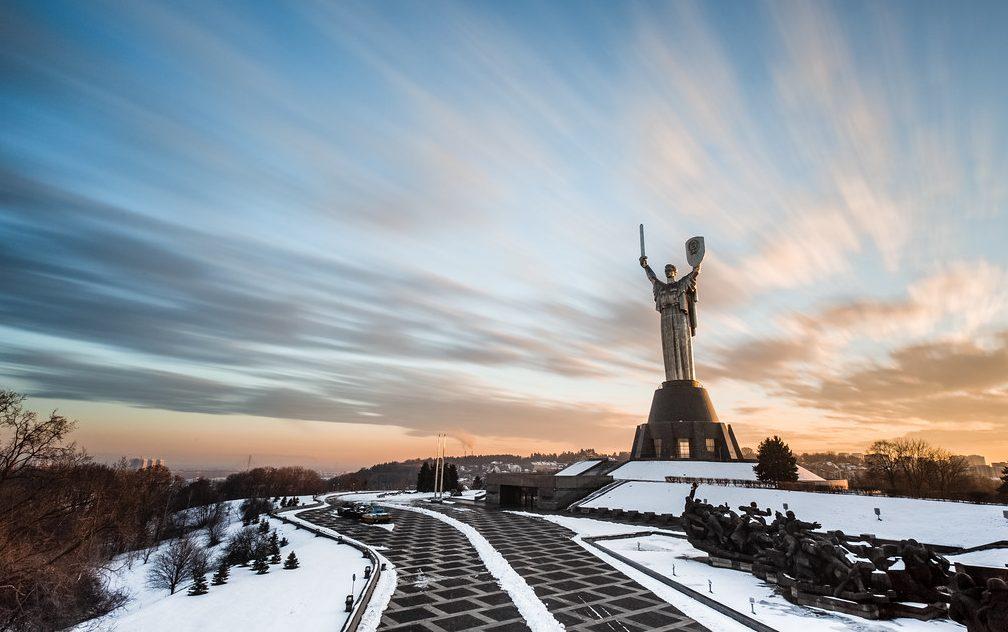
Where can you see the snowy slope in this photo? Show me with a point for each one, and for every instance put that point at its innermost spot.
(932, 521)
(658, 470)
(310, 597)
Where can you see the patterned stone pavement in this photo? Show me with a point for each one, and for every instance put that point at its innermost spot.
(443, 585)
(581, 591)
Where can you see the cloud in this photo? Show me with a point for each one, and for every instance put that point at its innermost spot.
(414, 399)
(941, 383)
(439, 204)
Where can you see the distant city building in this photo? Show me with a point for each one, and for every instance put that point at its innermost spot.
(977, 465)
(135, 463)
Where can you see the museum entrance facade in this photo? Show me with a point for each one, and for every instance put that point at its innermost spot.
(518, 497)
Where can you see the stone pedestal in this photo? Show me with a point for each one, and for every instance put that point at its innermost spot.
(683, 425)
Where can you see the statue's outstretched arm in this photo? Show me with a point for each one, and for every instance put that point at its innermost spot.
(647, 270)
(690, 280)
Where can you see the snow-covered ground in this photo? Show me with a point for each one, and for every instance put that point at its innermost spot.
(534, 611)
(994, 558)
(931, 521)
(734, 588)
(311, 596)
(387, 580)
(658, 470)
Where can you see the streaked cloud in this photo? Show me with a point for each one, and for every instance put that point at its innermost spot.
(425, 217)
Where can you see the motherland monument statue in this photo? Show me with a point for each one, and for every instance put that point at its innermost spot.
(682, 423)
(676, 299)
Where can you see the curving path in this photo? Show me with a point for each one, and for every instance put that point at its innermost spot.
(443, 584)
(580, 590)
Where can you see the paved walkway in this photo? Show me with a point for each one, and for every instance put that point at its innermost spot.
(581, 591)
(443, 584)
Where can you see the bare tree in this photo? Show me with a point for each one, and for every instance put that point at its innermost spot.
(884, 462)
(215, 522)
(948, 472)
(175, 563)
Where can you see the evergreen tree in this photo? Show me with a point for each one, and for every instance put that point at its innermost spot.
(274, 544)
(221, 574)
(776, 461)
(451, 479)
(292, 562)
(199, 586)
(477, 483)
(1003, 489)
(275, 558)
(260, 566)
(284, 542)
(425, 478)
(264, 527)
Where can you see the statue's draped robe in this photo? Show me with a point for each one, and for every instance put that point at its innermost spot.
(672, 300)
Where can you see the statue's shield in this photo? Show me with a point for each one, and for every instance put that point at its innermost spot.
(694, 251)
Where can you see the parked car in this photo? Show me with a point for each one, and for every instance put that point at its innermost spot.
(375, 515)
(351, 510)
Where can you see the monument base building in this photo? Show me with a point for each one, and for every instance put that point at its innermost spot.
(682, 424)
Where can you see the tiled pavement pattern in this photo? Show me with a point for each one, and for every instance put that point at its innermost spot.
(460, 594)
(581, 591)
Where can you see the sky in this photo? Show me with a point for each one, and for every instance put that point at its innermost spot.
(323, 232)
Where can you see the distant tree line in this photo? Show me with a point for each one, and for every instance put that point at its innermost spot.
(899, 467)
(403, 474)
(912, 467)
(426, 482)
(64, 518)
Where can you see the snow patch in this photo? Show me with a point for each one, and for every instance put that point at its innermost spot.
(993, 558)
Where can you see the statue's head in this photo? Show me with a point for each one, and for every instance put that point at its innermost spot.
(670, 271)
